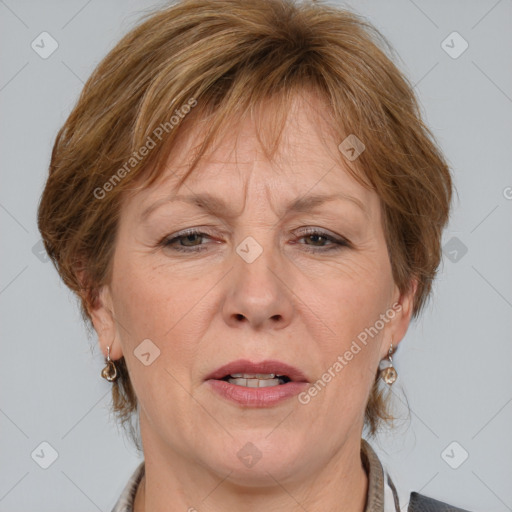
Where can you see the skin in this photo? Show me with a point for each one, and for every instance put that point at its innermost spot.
(204, 309)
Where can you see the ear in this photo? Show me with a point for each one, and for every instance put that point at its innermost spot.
(103, 319)
(100, 308)
(402, 305)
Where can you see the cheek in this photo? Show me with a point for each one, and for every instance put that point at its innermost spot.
(352, 295)
(349, 305)
(143, 305)
(151, 306)
(157, 304)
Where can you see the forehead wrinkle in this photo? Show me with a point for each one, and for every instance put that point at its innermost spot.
(218, 206)
(229, 156)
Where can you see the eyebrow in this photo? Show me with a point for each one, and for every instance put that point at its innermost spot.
(217, 206)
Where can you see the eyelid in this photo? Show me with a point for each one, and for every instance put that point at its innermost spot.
(185, 232)
(304, 231)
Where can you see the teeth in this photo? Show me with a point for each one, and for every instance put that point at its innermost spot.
(255, 382)
(253, 375)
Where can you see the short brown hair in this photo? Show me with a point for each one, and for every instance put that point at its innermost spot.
(228, 56)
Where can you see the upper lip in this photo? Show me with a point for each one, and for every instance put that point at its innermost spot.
(263, 367)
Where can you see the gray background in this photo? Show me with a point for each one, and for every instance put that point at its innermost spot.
(455, 362)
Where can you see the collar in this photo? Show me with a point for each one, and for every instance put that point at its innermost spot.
(382, 495)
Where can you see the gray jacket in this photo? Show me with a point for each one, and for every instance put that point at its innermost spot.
(376, 480)
(420, 503)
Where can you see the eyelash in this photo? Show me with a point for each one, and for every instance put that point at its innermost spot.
(339, 243)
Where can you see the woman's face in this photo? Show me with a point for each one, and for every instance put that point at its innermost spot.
(263, 281)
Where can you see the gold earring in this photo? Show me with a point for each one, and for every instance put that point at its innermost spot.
(110, 371)
(389, 374)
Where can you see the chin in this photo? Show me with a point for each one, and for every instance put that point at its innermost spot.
(259, 459)
(263, 473)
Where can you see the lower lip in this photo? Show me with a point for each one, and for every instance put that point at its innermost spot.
(257, 397)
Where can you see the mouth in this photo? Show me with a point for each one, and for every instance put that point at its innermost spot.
(259, 380)
(251, 374)
(257, 384)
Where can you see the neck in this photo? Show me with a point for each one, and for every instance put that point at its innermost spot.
(343, 485)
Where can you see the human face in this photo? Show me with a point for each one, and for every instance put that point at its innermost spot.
(253, 286)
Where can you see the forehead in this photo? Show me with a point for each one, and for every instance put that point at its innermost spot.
(307, 160)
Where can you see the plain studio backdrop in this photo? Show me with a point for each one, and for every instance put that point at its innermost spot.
(455, 363)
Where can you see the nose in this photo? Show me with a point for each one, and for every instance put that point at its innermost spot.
(258, 295)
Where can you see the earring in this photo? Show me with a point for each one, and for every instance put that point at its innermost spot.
(389, 374)
(110, 371)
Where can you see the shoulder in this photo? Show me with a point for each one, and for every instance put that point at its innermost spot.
(420, 503)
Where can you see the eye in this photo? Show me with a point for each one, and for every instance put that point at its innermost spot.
(317, 236)
(186, 241)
